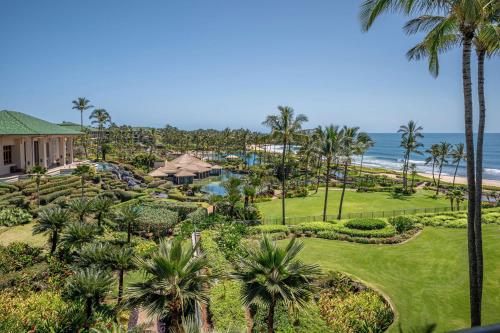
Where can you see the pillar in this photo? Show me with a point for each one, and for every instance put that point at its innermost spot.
(42, 152)
(70, 143)
(62, 150)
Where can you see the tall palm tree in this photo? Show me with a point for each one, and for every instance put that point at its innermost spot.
(85, 171)
(82, 104)
(413, 170)
(51, 221)
(457, 154)
(100, 118)
(458, 22)
(37, 173)
(331, 138)
(101, 206)
(121, 260)
(128, 216)
(444, 149)
(365, 142)
(433, 152)
(89, 285)
(410, 135)
(286, 127)
(349, 145)
(272, 274)
(175, 279)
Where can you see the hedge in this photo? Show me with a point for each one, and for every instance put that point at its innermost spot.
(388, 231)
(366, 224)
(268, 228)
(45, 199)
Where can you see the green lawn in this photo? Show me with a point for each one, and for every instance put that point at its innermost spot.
(426, 279)
(21, 233)
(354, 202)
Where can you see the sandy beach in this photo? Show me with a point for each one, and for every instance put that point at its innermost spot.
(462, 180)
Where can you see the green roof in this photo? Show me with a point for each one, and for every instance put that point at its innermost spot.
(17, 123)
(74, 126)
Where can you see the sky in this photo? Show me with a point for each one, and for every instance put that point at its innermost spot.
(216, 64)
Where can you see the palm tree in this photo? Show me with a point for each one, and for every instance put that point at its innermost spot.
(330, 139)
(458, 23)
(286, 127)
(121, 261)
(76, 235)
(82, 104)
(410, 134)
(443, 153)
(38, 172)
(365, 142)
(85, 171)
(175, 279)
(457, 154)
(100, 118)
(433, 157)
(81, 207)
(101, 206)
(413, 169)
(51, 221)
(272, 274)
(128, 216)
(89, 285)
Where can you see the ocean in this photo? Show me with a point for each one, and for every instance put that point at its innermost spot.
(388, 154)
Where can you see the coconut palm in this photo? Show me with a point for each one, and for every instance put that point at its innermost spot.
(174, 280)
(365, 142)
(272, 274)
(433, 152)
(121, 260)
(410, 135)
(51, 221)
(457, 154)
(82, 104)
(85, 171)
(348, 146)
(330, 140)
(100, 118)
(457, 22)
(128, 217)
(413, 170)
(37, 173)
(444, 149)
(81, 207)
(285, 127)
(101, 206)
(89, 285)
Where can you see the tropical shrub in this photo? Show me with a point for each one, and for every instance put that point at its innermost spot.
(157, 220)
(313, 227)
(402, 223)
(268, 229)
(365, 224)
(387, 231)
(14, 216)
(17, 256)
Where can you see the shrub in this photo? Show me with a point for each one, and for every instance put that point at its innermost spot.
(17, 256)
(493, 217)
(388, 231)
(268, 229)
(402, 223)
(313, 227)
(158, 220)
(365, 224)
(226, 308)
(14, 216)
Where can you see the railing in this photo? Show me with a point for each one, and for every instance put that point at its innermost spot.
(374, 214)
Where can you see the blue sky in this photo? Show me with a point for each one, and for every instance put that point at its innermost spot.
(198, 64)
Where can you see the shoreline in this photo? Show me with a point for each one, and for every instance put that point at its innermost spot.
(462, 180)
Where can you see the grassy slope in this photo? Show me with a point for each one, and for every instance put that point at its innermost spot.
(21, 233)
(353, 202)
(426, 278)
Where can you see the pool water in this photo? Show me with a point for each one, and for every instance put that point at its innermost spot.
(216, 187)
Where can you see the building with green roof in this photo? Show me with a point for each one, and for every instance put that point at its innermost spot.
(26, 141)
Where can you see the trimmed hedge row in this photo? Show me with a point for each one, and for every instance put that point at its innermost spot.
(386, 232)
(366, 224)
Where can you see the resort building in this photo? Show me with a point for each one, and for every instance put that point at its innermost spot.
(26, 141)
(184, 169)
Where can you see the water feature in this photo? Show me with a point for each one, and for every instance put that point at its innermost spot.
(120, 173)
(216, 187)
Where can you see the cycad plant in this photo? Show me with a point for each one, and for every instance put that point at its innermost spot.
(89, 285)
(286, 128)
(77, 235)
(174, 280)
(128, 218)
(272, 275)
(80, 207)
(101, 206)
(51, 221)
(121, 260)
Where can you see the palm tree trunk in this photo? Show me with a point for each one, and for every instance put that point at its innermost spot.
(54, 242)
(455, 173)
(270, 317)
(283, 180)
(88, 312)
(412, 181)
(129, 227)
(439, 177)
(83, 185)
(326, 188)
(475, 299)
(306, 176)
(479, 171)
(361, 164)
(318, 175)
(433, 177)
(120, 285)
(343, 192)
(405, 166)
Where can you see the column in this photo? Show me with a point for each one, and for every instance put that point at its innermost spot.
(1, 156)
(22, 158)
(62, 150)
(42, 151)
(70, 143)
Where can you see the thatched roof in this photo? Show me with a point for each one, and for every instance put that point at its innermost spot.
(186, 165)
(187, 159)
(184, 173)
(158, 173)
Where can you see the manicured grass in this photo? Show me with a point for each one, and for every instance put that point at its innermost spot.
(354, 202)
(426, 279)
(21, 233)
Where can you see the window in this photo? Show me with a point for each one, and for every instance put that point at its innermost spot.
(7, 154)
